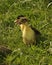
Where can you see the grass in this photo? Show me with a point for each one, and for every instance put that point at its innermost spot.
(40, 16)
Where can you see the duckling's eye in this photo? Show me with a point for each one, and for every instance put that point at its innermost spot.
(24, 20)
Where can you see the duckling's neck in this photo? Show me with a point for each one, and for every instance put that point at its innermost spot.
(23, 26)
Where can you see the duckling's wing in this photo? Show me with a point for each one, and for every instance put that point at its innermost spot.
(35, 30)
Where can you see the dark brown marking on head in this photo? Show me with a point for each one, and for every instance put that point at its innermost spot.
(20, 16)
(21, 19)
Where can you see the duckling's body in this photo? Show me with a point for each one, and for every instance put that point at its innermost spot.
(28, 34)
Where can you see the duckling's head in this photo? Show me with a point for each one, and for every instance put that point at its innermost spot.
(21, 20)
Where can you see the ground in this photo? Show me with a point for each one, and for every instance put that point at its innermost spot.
(39, 12)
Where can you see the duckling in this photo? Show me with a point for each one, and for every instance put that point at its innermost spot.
(28, 33)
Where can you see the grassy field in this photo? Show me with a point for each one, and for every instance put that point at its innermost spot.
(39, 12)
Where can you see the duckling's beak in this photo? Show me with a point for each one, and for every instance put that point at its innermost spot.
(15, 21)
